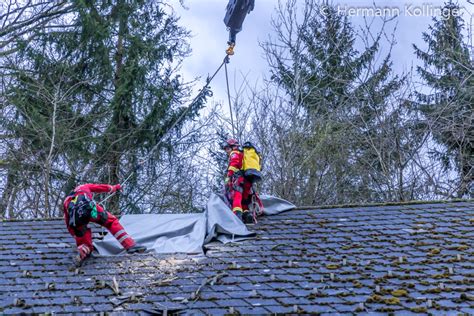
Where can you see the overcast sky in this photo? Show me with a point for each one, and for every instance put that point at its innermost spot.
(204, 18)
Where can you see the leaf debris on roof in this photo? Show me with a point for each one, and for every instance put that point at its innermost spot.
(414, 258)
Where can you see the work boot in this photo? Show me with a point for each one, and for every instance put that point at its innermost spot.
(136, 248)
(239, 215)
(78, 261)
(84, 252)
(247, 218)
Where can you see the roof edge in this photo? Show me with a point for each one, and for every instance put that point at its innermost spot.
(30, 219)
(305, 207)
(351, 205)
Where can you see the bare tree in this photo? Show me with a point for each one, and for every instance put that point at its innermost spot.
(333, 134)
(21, 21)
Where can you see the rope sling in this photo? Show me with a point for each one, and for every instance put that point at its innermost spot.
(225, 61)
(236, 11)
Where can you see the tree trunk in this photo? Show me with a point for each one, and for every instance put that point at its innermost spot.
(117, 118)
(467, 176)
(8, 195)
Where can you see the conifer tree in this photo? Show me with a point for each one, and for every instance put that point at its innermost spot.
(448, 68)
(343, 93)
(105, 85)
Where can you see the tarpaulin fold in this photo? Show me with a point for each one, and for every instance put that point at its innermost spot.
(187, 233)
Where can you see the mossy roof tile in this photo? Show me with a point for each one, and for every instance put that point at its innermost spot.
(318, 260)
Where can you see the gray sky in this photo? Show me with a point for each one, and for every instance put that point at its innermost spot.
(204, 18)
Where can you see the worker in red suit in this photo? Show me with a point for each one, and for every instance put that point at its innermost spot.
(80, 209)
(237, 187)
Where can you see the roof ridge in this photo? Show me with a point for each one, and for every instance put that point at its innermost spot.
(305, 207)
(31, 219)
(411, 202)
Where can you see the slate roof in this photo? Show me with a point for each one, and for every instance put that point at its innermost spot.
(404, 259)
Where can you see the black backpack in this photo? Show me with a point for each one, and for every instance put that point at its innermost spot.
(80, 209)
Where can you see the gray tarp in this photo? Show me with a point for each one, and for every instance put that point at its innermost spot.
(273, 205)
(187, 233)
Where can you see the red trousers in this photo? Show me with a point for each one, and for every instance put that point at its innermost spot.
(83, 234)
(242, 194)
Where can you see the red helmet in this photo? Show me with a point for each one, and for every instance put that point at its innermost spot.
(231, 142)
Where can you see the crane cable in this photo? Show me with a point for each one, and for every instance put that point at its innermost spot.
(143, 160)
(228, 98)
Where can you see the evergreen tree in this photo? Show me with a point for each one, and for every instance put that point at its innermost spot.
(343, 92)
(50, 121)
(141, 43)
(448, 69)
(105, 86)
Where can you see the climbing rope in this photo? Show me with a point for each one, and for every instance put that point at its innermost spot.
(228, 98)
(144, 159)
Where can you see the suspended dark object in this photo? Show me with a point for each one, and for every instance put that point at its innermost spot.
(235, 15)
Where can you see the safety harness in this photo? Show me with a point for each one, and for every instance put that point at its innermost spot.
(236, 12)
(81, 209)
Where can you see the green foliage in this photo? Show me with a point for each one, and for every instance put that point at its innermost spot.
(327, 73)
(87, 100)
(345, 95)
(447, 69)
